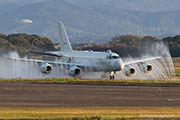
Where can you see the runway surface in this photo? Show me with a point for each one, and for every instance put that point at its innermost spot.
(68, 95)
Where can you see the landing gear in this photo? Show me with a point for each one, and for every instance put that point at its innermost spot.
(111, 76)
(108, 75)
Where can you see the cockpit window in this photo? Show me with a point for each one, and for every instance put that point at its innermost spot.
(109, 57)
(115, 57)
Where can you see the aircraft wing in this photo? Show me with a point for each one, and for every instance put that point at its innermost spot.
(61, 55)
(141, 60)
(46, 53)
(51, 62)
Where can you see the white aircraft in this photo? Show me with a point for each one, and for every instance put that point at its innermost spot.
(108, 62)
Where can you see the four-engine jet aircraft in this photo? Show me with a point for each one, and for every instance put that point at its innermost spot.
(108, 62)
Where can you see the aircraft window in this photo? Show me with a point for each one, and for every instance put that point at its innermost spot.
(109, 57)
(115, 57)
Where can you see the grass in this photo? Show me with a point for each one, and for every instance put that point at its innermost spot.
(99, 82)
(177, 64)
(87, 113)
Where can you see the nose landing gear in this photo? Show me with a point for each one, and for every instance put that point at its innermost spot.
(111, 75)
(108, 75)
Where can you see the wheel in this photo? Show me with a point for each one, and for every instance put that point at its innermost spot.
(111, 77)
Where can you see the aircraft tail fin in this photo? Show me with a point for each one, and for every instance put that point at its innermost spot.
(64, 40)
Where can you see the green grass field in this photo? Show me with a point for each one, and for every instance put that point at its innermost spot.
(175, 82)
(88, 113)
(177, 66)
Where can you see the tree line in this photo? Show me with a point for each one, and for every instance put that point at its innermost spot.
(123, 45)
(133, 45)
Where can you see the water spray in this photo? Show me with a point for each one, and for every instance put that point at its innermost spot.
(162, 68)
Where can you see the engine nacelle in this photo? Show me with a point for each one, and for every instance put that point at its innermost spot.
(146, 67)
(129, 71)
(74, 71)
(46, 68)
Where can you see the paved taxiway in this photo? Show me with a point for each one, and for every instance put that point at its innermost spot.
(67, 95)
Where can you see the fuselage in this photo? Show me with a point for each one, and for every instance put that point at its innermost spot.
(99, 61)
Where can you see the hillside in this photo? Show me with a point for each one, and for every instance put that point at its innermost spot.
(133, 45)
(123, 45)
(134, 5)
(96, 20)
(24, 43)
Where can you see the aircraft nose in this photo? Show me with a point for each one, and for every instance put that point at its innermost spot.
(119, 65)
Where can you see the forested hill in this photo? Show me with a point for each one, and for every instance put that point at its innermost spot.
(123, 45)
(24, 42)
(134, 45)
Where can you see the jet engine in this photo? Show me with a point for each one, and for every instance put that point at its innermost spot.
(46, 68)
(129, 71)
(74, 71)
(146, 67)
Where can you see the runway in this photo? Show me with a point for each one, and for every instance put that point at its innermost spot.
(13, 94)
